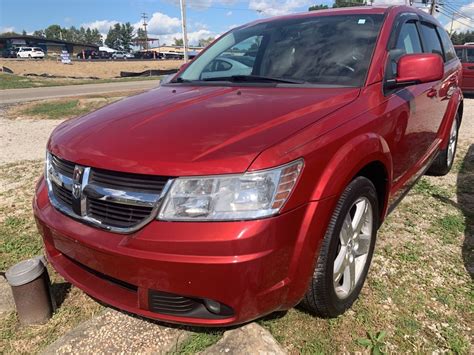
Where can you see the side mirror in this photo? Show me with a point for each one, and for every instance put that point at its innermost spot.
(415, 69)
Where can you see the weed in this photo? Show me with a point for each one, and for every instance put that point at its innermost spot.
(374, 343)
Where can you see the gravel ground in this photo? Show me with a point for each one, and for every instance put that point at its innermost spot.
(23, 139)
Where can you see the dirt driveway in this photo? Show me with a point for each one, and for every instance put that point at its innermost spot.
(101, 69)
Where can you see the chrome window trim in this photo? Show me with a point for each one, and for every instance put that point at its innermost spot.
(101, 193)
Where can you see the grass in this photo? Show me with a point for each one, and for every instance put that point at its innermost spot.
(12, 81)
(57, 109)
(61, 108)
(199, 341)
(19, 240)
(418, 291)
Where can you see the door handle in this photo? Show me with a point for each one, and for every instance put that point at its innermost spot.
(471, 67)
(432, 93)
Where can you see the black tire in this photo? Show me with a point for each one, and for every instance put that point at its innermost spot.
(321, 298)
(442, 164)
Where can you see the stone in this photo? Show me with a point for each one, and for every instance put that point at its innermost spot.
(7, 304)
(249, 339)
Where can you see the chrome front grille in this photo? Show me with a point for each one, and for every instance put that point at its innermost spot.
(115, 214)
(116, 201)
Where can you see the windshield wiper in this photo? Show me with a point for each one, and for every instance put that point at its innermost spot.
(254, 79)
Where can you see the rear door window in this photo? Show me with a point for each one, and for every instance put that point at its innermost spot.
(460, 54)
(470, 55)
(408, 39)
(449, 52)
(431, 40)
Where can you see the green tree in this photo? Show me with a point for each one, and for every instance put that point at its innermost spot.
(348, 3)
(53, 32)
(126, 36)
(24, 33)
(10, 33)
(113, 37)
(203, 42)
(318, 7)
(39, 33)
(178, 42)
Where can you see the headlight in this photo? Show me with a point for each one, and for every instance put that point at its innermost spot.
(231, 197)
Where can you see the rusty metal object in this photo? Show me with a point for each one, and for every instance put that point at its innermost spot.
(30, 285)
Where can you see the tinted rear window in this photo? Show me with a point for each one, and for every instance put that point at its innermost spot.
(431, 40)
(449, 51)
(459, 53)
(470, 55)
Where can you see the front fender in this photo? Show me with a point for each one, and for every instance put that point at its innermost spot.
(349, 160)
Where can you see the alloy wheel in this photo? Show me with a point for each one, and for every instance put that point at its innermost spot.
(354, 245)
(452, 142)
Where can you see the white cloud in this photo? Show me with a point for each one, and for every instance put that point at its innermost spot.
(193, 37)
(204, 4)
(160, 24)
(229, 13)
(277, 7)
(7, 29)
(101, 25)
(463, 20)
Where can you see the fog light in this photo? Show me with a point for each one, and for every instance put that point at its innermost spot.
(212, 306)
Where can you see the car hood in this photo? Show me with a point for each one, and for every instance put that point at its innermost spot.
(182, 130)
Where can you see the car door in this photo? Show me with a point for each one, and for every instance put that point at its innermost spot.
(468, 70)
(434, 104)
(409, 142)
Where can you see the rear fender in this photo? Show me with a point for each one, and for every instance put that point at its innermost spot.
(453, 107)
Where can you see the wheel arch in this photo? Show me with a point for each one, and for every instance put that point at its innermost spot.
(366, 155)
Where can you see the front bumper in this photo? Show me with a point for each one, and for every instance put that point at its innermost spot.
(253, 267)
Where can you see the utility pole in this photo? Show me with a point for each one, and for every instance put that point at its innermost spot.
(183, 25)
(432, 7)
(144, 18)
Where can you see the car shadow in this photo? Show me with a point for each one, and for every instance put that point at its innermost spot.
(465, 203)
(59, 292)
(465, 196)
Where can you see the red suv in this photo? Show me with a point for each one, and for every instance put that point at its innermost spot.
(218, 198)
(466, 55)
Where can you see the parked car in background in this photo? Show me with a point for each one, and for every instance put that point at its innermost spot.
(9, 53)
(145, 55)
(217, 199)
(122, 55)
(220, 66)
(104, 55)
(88, 54)
(30, 52)
(466, 55)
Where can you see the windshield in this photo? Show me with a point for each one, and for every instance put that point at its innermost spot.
(322, 50)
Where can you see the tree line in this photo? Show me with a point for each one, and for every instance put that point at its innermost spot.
(340, 3)
(71, 34)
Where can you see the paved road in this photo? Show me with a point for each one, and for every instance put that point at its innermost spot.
(22, 95)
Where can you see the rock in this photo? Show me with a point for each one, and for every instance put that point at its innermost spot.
(7, 70)
(115, 332)
(249, 339)
(7, 304)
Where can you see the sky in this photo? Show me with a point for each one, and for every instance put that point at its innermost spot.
(205, 18)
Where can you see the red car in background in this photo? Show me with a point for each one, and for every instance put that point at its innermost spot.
(217, 199)
(466, 55)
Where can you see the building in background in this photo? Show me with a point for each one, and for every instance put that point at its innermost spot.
(49, 46)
